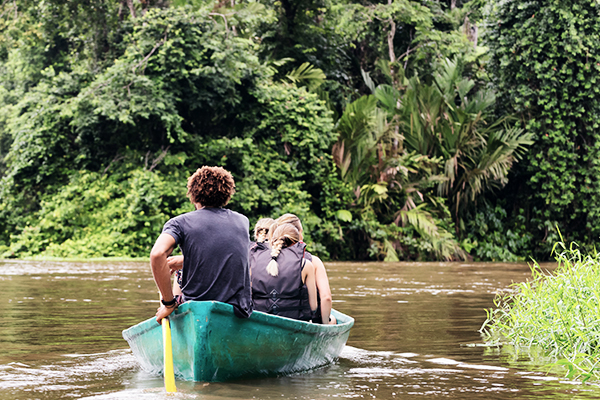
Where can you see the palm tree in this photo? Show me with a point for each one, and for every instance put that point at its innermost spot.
(410, 137)
(389, 183)
(451, 120)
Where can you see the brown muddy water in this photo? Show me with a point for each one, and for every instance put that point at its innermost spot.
(416, 336)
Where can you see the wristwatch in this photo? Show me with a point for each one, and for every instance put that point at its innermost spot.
(168, 303)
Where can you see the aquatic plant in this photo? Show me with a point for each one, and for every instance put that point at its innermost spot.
(556, 311)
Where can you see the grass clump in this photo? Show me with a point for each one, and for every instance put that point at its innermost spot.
(558, 312)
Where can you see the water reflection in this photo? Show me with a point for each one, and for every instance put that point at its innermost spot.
(415, 335)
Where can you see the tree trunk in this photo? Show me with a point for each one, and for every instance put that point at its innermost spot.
(131, 8)
(390, 38)
(471, 31)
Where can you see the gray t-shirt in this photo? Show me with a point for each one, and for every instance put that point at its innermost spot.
(214, 243)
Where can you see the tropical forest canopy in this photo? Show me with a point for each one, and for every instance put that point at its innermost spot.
(396, 130)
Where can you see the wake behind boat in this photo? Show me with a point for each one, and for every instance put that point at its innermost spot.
(211, 344)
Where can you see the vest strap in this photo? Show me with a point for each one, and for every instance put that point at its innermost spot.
(271, 297)
(275, 308)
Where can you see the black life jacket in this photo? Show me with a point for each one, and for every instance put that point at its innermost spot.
(255, 249)
(285, 294)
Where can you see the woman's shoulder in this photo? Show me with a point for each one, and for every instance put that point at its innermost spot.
(258, 246)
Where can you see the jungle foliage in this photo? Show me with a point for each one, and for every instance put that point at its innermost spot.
(545, 59)
(376, 122)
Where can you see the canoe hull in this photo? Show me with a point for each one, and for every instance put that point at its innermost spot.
(211, 344)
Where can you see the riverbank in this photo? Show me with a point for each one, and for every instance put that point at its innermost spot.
(556, 312)
(77, 259)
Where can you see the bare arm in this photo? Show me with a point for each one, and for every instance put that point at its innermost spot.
(308, 277)
(322, 282)
(162, 274)
(175, 263)
(176, 288)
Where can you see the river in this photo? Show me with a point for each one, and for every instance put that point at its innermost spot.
(415, 336)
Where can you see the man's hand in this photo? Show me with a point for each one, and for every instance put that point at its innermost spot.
(164, 312)
(175, 263)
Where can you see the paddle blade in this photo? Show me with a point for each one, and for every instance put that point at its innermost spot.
(169, 372)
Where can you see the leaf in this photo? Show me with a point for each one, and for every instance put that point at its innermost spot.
(308, 74)
(344, 215)
(368, 81)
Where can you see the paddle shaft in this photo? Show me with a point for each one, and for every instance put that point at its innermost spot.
(168, 347)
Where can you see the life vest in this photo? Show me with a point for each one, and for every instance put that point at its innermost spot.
(255, 249)
(284, 295)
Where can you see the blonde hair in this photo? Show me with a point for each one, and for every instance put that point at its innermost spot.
(287, 219)
(283, 236)
(261, 229)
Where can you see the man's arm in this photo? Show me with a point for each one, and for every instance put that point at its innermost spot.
(175, 263)
(162, 274)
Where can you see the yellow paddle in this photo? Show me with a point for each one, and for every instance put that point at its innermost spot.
(169, 372)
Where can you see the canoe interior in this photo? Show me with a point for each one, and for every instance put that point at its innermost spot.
(211, 344)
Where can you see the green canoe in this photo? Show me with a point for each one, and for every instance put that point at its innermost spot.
(211, 344)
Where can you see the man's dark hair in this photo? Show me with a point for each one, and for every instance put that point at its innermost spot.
(211, 186)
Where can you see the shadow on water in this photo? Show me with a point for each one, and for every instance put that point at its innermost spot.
(416, 335)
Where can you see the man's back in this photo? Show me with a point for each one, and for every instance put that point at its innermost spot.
(214, 242)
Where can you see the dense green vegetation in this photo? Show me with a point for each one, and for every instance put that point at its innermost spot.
(556, 312)
(396, 130)
(545, 63)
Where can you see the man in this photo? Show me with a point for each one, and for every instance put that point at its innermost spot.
(214, 242)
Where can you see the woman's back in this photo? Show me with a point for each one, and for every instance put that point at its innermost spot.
(285, 294)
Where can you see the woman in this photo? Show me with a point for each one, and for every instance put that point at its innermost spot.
(261, 237)
(323, 314)
(261, 229)
(282, 278)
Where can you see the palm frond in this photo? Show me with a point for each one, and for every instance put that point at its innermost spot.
(442, 242)
(307, 74)
(420, 219)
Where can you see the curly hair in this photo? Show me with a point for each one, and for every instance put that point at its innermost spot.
(211, 186)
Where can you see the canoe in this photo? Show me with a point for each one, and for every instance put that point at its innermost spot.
(211, 344)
